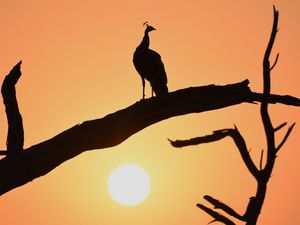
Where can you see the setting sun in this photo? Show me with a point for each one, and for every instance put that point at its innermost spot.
(129, 184)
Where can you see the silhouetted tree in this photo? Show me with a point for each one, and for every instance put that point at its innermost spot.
(113, 129)
(149, 65)
(261, 174)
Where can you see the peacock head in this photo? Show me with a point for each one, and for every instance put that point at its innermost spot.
(148, 27)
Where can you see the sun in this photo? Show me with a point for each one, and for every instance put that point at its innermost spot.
(129, 184)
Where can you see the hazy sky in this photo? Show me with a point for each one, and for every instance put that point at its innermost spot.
(77, 65)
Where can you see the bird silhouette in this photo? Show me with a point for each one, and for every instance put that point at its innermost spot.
(149, 65)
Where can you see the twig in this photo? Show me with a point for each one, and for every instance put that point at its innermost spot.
(276, 60)
(220, 134)
(280, 126)
(220, 205)
(285, 137)
(261, 159)
(215, 136)
(217, 216)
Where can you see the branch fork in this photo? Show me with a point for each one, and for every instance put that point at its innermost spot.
(263, 174)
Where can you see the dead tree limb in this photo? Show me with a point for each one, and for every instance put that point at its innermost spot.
(115, 128)
(220, 205)
(218, 135)
(263, 174)
(217, 216)
(15, 134)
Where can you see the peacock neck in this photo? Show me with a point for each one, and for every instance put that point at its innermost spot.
(145, 42)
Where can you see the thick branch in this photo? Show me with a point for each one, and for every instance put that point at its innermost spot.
(15, 135)
(115, 128)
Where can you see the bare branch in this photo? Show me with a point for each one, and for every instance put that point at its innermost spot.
(261, 159)
(15, 134)
(241, 144)
(273, 35)
(272, 99)
(280, 126)
(285, 137)
(217, 216)
(217, 135)
(115, 128)
(254, 209)
(220, 134)
(220, 205)
(276, 60)
(269, 130)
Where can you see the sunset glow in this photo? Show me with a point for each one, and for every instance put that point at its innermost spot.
(77, 66)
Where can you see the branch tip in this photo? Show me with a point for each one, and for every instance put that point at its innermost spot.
(285, 137)
(15, 134)
(175, 144)
(276, 60)
(280, 126)
(275, 11)
(261, 159)
(220, 205)
(235, 127)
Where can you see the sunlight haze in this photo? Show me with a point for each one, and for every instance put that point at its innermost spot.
(77, 66)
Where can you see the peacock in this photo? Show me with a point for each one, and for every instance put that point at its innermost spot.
(149, 65)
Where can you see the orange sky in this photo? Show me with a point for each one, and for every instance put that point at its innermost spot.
(77, 65)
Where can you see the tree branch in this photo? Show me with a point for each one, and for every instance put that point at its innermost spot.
(15, 134)
(276, 60)
(115, 128)
(220, 205)
(254, 210)
(268, 127)
(272, 99)
(220, 134)
(285, 137)
(261, 160)
(217, 216)
(263, 175)
(215, 136)
(280, 126)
